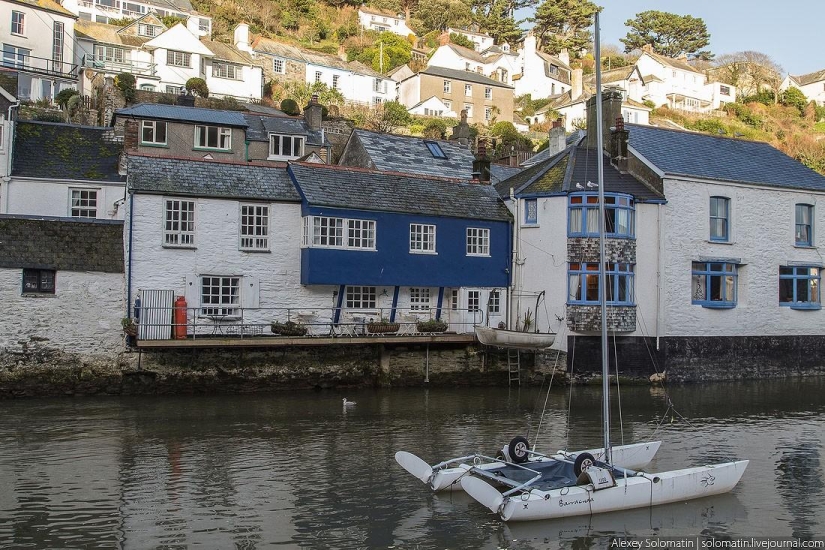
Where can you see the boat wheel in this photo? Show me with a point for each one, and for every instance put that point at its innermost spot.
(582, 463)
(518, 449)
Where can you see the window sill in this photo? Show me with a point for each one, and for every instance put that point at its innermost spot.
(804, 246)
(38, 295)
(150, 144)
(424, 252)
(709, 241)
(724, 305)
(802, 307)
(212, 149)
(478, 255)
(179, 246)
(255, 250)
(280, 158)
(529, 225)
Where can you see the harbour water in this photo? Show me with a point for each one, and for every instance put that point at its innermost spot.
(298, 470)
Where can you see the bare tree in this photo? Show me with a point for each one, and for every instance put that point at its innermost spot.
(751, 72)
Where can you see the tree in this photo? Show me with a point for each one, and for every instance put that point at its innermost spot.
(563, 24)
(751, 72)
(391, 115)
(498, 22)
(668, 34)
(197, 86)
(794, 97)
(396, 51)
(125, 82)
(437, 15)
(461, 40)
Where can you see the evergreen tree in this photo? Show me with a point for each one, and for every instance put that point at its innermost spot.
(564, 24)
(668, 34)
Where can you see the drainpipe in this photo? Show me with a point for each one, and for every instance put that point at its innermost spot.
(659, 273)
(513, 260)
(129, 267)
(246, 150)
(12, 128)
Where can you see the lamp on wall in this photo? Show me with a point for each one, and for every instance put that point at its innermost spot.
(384, 292)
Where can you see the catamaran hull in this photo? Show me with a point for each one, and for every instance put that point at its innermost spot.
(633, 457)
(628, 493)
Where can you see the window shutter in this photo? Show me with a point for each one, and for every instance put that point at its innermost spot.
(250, 292)
(192, 292)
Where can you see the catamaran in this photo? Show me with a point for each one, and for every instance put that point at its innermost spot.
(590, 485)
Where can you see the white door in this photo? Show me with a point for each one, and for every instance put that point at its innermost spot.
(481, 306)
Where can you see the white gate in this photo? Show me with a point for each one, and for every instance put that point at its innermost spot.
(155, 322)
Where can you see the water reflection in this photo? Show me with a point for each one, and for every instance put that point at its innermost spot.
(299, 471)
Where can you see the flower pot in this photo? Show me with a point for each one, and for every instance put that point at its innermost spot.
(288, 329)
(382, 328)
(432, 326)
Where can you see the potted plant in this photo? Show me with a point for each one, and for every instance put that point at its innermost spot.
(382, 326)
(433, 325)
(289, 328)
(129, 326)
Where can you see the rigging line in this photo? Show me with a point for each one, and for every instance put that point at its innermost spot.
(543, 251)
(618, 388)
(547, 398)
(570, 396)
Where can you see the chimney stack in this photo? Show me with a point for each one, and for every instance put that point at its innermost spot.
(576, 82)
(611, 110)
(558, 141)
(564, 56)
(242, 37)
(481, 165)
(618, 145)
(313, 113)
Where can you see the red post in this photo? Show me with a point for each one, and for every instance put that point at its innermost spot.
(179, 318)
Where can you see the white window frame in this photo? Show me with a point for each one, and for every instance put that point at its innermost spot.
(178, 223)
(448, 86)
(281, 140)
(360, 297)
(361, 234)
(488, 92)
(335, 79)
(278, 65)
(83, 202)
(223, 297)
(422, 238)
(488, 113)
(468, 90)
(57, 42)
(202, 134)
(494, 303)
(478, 241)
(227, 71)
(144, 29)
(254, 227)
(318, 75)
(152, 127)
(327, 232)
(18, 23)
(419, 299)
(175, 58)
(473, 300)
(339, 233)
(469, 108)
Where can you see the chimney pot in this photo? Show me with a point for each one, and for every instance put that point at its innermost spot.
(620, 124)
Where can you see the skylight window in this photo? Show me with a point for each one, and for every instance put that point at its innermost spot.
(435, 149)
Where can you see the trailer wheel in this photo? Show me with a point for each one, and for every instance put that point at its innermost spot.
(518, 449)
(582, 463)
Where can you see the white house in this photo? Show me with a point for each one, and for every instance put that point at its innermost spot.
(433, 107)
(811, 84)
(541, 75)
(675, 83)
(356, 82)
(62, 170)
(379, 20)
(102, 11)
(480, 40)
(499, 66)
(38, 47)
(699, 263)
(162, 59)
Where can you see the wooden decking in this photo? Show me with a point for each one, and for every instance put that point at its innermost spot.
(306, 341)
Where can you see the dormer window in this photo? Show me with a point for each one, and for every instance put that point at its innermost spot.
(283, 147)
(435, 149)
(148, 30)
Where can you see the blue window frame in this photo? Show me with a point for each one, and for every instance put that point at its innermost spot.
(583, 215)
(720, 219)
(799, 287)
(804, 225)
(531, 212)
(714, 284)
(583, 283)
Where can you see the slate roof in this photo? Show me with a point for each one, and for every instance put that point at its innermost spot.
(563, 73)
(467, 53)
(47, 5)
(681, 153)
(810, 78)
(259, 127)
(676, 63)
(561, 173)
(63, 244)
(179, 113)
(499, 172)
(107, 34)
(65, 152)
(465, 76)
(193, 178)
(288, 51)
(322, 185)
(227, 52)
(389, 152)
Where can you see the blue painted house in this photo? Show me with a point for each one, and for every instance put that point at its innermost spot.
(439, 244)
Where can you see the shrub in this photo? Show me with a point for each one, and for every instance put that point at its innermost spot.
(435, 128)
(64, 96)
(125, 82)
(198, 87)
(290, 328)
(433, 325)
(290, 107)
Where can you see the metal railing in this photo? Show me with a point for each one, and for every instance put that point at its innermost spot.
(224, 321)
(143, 68)
(39, 65)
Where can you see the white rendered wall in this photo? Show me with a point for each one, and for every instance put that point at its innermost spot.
(248, 87)
(48, 198)
(409, 91)
(762, 229)
(82, 316)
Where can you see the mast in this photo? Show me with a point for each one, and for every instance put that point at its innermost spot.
(602, 275)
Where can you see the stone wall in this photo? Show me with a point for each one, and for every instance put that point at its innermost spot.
(701, 359)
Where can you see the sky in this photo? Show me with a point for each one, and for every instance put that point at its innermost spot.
(789, 31)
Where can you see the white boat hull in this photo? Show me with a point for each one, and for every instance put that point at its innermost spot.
(633, 457)
(513, 338)
(639, 491)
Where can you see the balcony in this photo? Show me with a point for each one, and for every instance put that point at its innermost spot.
(137, 68)
(39, 65)
(221, 326)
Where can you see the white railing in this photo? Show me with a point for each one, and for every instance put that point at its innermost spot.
(143, 68)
